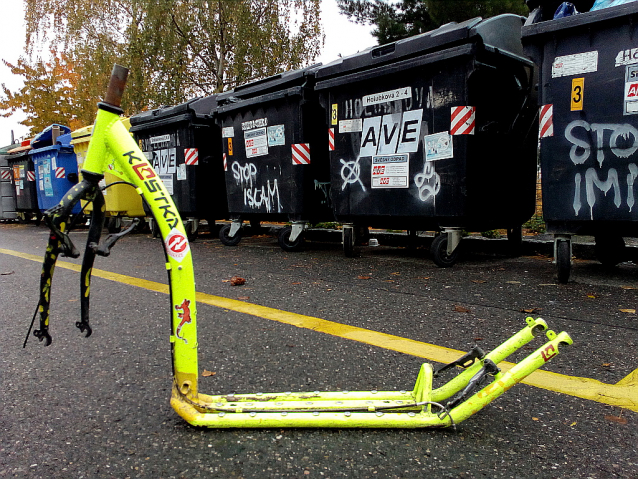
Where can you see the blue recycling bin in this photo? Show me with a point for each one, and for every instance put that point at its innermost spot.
(56, 172)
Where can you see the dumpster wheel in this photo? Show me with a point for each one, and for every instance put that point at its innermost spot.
(284, 240)
(610, 250)
(228, 240)
(438, 249)
(114, 224)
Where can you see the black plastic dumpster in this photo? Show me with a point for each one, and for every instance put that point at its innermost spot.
(182, 144)
(24, 184)
(588, 128)
(7, 190)
(275, 146)
(434, 132)
(56, 169)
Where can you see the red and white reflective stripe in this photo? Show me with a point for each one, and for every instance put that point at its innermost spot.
(463, 120)
(5, 175)
(546, 127)
(225, 162)
(59, 172)
(301, 154)
(191, 156)
(30, 175)
(331, 139)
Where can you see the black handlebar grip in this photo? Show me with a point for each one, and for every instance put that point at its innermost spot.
(116, 86)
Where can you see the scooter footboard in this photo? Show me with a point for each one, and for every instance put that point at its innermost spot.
(417, 408)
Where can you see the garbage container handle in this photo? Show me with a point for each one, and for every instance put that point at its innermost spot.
(383, 50)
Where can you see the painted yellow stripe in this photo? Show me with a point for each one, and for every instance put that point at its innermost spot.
(623, 394)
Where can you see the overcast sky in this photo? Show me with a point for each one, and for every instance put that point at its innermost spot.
(342, 37)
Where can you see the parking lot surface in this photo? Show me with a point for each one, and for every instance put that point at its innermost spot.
(98, 406)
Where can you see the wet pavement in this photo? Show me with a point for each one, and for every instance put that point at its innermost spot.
(98, 407)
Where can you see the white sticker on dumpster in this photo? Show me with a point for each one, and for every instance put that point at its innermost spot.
(390, 171)
(228, 132)
(576, 64)
(393, 133)
(168, 182)
(181, 172)
(256, 142)
(387, 96)
(631, 90)
(350, 126)
(164, 161)
(438, 146)
(627, 57)
(159, 139)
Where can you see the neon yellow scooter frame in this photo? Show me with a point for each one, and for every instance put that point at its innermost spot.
(480, 382)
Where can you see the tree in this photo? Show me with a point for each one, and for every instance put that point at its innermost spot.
(175, 49)
(48, 94)
(405, 18)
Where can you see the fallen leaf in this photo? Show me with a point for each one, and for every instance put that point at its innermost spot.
(297, 282)
(7, 273)
(606, 365)
(461, 309)
(478, 339)
(618, 419)
(572, 424)
(243, 298)
(396, 274)
(225, 281)
(423, 277)
(530, 310)
(364, 277)
(72, 300)
(630, 311)
(479, 281)
(628, 287)
(534, 419)
(592, 296)
(513, 282)
(207, 373)
(237, 281)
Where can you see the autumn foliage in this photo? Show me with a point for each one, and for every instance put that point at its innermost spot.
(175, 49)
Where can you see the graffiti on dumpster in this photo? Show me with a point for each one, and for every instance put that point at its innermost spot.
(256, 196)
(428, 182)
(351, 173)
(610, 140)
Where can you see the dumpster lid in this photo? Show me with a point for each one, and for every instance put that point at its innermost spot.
(62, 142)
(280, 81)
(45, 137)
(502, 32)
(588, 19)
(193, 108)
(19, 149)
(5, 149)
(18, 155)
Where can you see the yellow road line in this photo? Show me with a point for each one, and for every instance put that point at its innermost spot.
(623, 394)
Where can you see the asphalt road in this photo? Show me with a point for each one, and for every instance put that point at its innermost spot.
(98, 407)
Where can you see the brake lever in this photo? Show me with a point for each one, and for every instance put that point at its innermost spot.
(104, 249)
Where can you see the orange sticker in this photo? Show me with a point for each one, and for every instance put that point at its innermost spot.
(230, 146)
